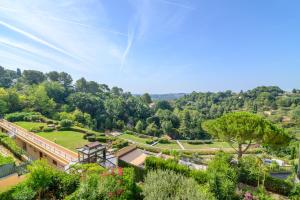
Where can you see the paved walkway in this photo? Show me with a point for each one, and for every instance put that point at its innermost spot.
(181, 146)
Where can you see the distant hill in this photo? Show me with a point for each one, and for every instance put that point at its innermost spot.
(170, 96)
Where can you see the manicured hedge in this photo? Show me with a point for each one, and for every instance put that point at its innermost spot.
(196, 142)
(101, 139)
(48, 129)
(119, 144)
(91, 138)
(153, 163)
(11, 145)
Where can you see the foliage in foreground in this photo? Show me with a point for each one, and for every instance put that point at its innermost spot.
(110, 185)
(153, 163)
(222, 177)
(168, 185)
(44, 182)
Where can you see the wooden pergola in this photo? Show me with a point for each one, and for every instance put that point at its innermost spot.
(92, 153)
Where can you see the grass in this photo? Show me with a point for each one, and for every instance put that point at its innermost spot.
(29, 125)
(171, 145)
(134, 138)
(68, 139)
(174, 145)
(205, 146)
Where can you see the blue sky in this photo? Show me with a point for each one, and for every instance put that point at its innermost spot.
(156, 46)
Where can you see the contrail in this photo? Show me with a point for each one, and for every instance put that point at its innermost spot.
(130, 40)
(177, 4)
(37, 39)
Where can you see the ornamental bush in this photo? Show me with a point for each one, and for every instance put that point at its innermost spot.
(66, 123)
(153, 163)
(169, 185)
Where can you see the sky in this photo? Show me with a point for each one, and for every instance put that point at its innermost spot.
(156, 46)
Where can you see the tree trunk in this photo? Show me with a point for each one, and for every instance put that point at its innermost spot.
(240, 151)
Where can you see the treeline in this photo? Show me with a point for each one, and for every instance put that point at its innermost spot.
(100, 107)
(88, 103)
(278, 105)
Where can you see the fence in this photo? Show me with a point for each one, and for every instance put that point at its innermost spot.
(7, 169)
(11, 168)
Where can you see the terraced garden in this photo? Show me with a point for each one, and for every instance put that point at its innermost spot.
(67, 139)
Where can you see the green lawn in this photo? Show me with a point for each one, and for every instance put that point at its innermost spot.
(171, 145)
(68, 139)
(205, 146)
(30, 125)
(133, 138)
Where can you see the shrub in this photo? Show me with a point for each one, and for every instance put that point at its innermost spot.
(34, 130)
(139, 172)
(196, 142)
(91, 138)
(108, 186)
(23, 116)
(23, 192)
(85, 136)
(153, 163)
(163, 141)
(222, 177)
(102, 139)
(295, 193)
(170, 185)
(66, 123)
(48, 129)
(49, 122)
(118, 144)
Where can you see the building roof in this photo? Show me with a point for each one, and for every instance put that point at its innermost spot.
(136, 157)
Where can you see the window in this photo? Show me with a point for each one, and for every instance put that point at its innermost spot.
(54, 162)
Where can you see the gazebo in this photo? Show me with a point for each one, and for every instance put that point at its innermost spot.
(92, 153)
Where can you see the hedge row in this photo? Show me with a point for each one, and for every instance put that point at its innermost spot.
(138, 134)
(11, 145)
(139, 173)
(153, 163)
(119, 144)
(24, 116)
